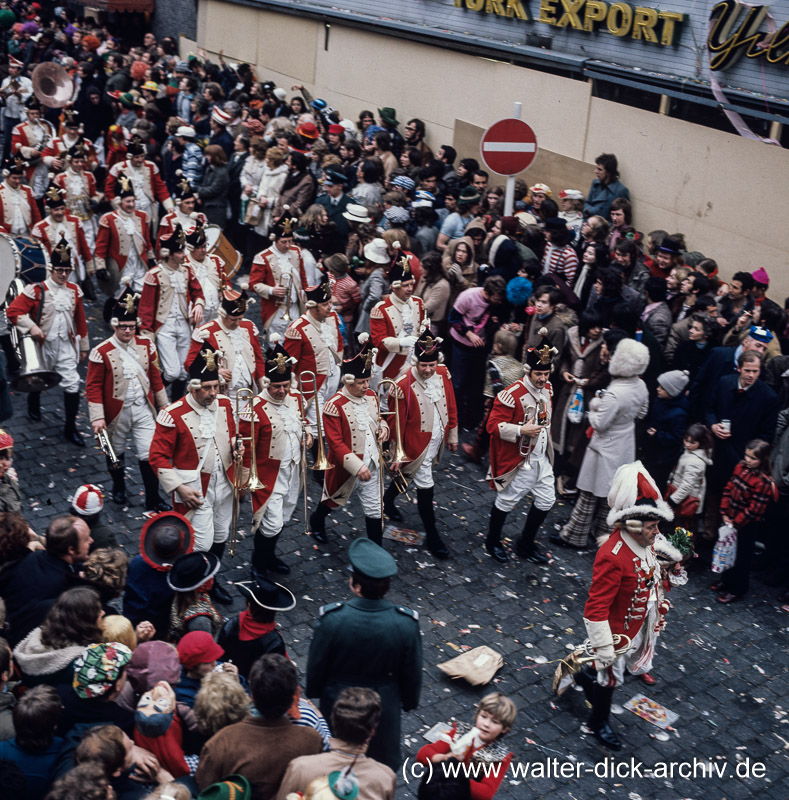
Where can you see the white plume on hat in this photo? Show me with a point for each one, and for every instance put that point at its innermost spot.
(634, 493)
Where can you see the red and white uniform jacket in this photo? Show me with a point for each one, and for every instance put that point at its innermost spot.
(26, 138)
(158, 295)
(167, 224)
(349, 448)
(48, 232)
(242, 343)
(266, 273)
(417, 403)
(25, 309)
(304, 340)
(114, 242)
(60, 145)
(107, 384)
(153, 187)
(185, 445)
(18, 210)
(279, 428)
(627, 583)
(80, 190)
(390, 320)
(509, 412)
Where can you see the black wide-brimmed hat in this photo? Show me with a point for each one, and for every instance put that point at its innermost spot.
(192, 570)
(164, 538)
(267, 594)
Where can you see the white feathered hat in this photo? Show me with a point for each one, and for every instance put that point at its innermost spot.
(634, 494)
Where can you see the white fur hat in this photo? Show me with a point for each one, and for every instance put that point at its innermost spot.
(630, 359)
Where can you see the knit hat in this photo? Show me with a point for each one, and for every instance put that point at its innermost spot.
(220, 116)
(760, 276)
(674, 382)
(233, 787)
(396, 215)
(88, 499)
(404, 182)
(634, 495)
(97, 669)
(6, 440)
(338, 130)
(468, 196)
(198, 647)
(509, 225)
(761, 334)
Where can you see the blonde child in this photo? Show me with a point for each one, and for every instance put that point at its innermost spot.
(495, 717)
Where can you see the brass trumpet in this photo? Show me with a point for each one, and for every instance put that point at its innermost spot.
(106, 447)
(253, 482)
(567, 667)
(539, 413)
(398, 456)
(287, 282)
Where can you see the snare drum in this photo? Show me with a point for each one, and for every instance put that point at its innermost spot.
(219, 245)
(33, 268)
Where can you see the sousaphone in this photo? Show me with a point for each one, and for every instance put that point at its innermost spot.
(52, 85)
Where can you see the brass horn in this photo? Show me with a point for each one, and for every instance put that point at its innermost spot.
(321, 462)
(567, 667)
(52, 85)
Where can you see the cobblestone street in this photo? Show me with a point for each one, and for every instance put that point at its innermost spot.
(721, 669)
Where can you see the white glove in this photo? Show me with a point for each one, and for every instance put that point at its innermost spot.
(407, 342)
(604, 656)
(28, 152)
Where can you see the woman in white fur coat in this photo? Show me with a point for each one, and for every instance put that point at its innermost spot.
(612, 415)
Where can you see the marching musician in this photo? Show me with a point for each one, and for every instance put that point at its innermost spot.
(183, 213)
(521, 453)
(123, 243)
(241, 365)
(209, 269)
(124, 390)
(171, 304)
(55, 155)
(628, 594)
(425, 406)
(278, 276)
(14, 90)
(314, 340)
(395, 324)
(192, 455)
(30, 138)
(279, 428)
(18, 208)
(149, 188)
(59, 224)
(79, 189)
(353, 430)
(52, 313)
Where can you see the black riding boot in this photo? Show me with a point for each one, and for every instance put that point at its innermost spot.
(34, 406)
(598, 721)
(433, 542)
(318, 522)
(118, 480)
(264, 557)
(390, 509)
(493, 542)
(375, 530)
(153, 500)
(177, 390)
(218, 592)
(586, 681)
(525, 547)
(71, 403)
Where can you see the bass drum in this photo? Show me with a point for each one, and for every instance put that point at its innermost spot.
(219, 245)
(34, 259)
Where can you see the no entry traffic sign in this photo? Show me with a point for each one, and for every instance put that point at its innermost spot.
(508, 146)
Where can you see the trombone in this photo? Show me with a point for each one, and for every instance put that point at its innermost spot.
(287, 282)
(321, 462)
(398, 456)
(106, 447)
(253, 482)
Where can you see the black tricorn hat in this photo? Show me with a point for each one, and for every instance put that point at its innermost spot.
(361, 365)
(542, 357)
(192, 570)
(267, 594)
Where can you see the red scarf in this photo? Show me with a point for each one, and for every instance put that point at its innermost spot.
(249, 628)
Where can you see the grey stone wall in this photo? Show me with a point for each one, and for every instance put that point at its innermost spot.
(175, 18)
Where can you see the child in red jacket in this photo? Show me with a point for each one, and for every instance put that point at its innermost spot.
(479, 747)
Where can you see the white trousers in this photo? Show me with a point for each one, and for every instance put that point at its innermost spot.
(282, 503)
(538, 480)
(278, 325)
(423, 477)
(60, 356)
(173, 342)
(137, 421)
(369, 492)
(211, 522)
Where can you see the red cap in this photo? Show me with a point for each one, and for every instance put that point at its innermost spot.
(338, 129)
(198, 647)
